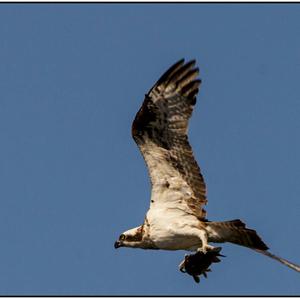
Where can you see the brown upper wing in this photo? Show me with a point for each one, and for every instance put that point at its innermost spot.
(160, 130)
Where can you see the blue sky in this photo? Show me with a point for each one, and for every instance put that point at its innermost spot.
(73, 76)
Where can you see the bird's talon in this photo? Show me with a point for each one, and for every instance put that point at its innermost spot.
(198, 264)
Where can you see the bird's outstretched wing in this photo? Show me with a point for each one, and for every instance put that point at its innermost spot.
(160, 130)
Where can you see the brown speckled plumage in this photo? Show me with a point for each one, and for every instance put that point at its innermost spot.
(163, 120)
(176, 219)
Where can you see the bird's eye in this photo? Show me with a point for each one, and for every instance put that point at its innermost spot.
(122, 237)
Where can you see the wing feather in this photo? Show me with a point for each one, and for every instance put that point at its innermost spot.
(160, 130)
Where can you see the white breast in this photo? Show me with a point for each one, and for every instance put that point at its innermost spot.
(172, 225)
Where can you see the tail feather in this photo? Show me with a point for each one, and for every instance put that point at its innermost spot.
(234, 231)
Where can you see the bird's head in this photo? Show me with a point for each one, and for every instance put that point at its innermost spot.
(131, 238)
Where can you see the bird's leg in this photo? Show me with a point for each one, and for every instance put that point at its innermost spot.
(204, 245)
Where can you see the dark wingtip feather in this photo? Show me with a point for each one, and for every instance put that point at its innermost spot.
(170, 71)
(188, 89)
(181, 79)
(181, 72)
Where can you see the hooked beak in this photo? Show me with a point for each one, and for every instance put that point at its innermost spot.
(117, 244)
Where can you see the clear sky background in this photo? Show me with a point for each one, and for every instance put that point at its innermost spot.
(72, 77)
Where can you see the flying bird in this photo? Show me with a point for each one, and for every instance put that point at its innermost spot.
(176, 219)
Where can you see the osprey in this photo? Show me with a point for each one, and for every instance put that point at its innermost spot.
(176, 219)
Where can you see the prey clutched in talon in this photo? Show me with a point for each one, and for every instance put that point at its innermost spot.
(176, 219)
(199, 263)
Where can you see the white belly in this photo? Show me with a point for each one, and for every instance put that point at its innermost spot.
(173, 229)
